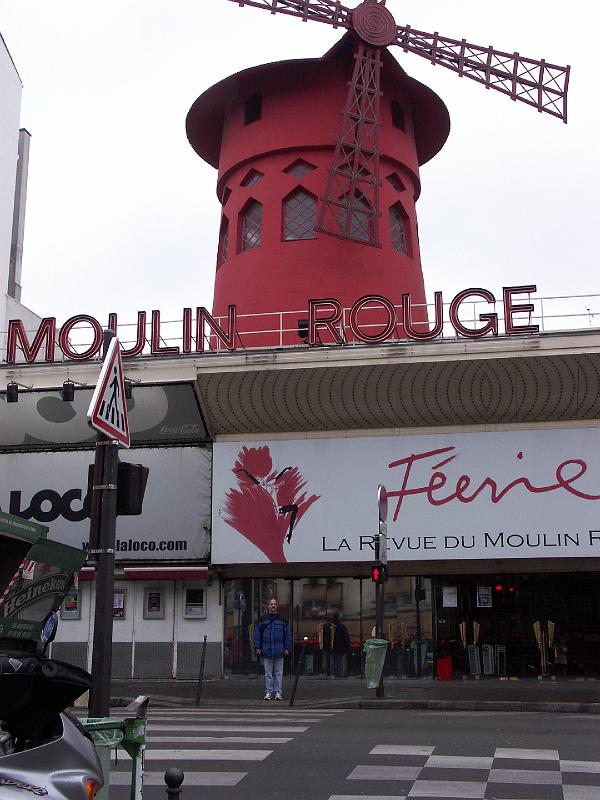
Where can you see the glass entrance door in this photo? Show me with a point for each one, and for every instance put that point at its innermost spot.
(336, 615)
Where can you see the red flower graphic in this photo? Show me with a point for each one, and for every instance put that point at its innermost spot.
(267, 505)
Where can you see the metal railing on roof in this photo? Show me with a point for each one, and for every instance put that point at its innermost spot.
(283, 329)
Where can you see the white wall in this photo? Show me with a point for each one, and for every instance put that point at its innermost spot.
(133, 628)
(10, 110)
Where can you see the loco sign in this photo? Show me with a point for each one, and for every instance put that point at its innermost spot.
(325, 315)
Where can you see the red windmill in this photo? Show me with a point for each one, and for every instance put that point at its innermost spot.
(376, 140)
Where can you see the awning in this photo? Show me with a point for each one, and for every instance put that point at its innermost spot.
(154, 573)
(178, 573)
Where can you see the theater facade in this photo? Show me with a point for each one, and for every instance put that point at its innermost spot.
(264, 467)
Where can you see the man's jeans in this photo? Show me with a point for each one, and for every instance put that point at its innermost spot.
(339, 665)
(273, 674)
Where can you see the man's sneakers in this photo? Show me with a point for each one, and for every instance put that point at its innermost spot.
(278, 696)
(269, 697)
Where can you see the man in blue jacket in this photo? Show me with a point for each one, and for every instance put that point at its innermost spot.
(272, 641)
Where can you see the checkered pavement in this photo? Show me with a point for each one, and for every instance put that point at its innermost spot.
(399, 772)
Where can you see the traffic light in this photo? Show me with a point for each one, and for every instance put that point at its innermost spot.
(131, 485)
(378, 573)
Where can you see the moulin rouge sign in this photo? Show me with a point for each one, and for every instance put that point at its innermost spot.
(324, 315)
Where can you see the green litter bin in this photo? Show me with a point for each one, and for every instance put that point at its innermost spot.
(375, 652)
(107, 734)
(129, 732)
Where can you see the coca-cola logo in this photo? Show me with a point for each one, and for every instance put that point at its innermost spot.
(189, 429)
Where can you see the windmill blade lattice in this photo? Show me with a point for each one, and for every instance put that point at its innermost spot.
(329, 11)
(350, 207)
(351, 203)
(535, 82)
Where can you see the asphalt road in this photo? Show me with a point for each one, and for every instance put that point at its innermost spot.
(385, 754)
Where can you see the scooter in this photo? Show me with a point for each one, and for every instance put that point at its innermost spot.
(44, 750)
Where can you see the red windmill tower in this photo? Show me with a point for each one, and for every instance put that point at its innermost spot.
(317, 208)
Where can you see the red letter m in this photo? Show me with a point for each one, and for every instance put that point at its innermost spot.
(17, 333)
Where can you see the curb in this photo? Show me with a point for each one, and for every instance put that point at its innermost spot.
(557, 707)
(483, 705)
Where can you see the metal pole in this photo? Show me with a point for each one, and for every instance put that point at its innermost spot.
(105, 582)
(419, 654)
(379, 603)
(362, 638)
(298, 671)
(378, 611)
(106, 467)
(201, 673)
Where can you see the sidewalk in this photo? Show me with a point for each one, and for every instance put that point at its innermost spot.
(486, 694)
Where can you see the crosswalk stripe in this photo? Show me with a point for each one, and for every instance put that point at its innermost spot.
(267, 720)
(224, 739)
(580, 766)
(449, 789)
(401, 750)
(367, 797)
(537, 755)
(270, 713)
(369, 773)
(537, 776)
(191, 778)
(581, 792)
(329, 712)
(460, 762)
(228, 728)
(206, 755)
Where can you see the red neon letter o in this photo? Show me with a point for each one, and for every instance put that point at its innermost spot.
(376, 337)
(93, 349)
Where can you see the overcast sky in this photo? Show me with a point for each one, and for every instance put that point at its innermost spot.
(122, 214)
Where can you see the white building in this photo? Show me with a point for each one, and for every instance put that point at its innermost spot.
(14, 156)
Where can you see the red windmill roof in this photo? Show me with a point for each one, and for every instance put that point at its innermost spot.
(206, 118)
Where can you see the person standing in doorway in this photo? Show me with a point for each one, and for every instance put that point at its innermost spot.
(560, 654)
(273, 641)
(340, 647)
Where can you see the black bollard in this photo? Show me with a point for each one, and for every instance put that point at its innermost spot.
(174, 778)
(298, 671)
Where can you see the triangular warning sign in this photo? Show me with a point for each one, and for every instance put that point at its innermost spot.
(108, 410)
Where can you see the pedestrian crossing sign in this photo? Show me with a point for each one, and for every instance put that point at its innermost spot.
(107, 412)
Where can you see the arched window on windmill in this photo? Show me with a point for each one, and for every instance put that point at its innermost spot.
(359, 225)
(251, 226)
(223, 242)
(299, 215)
(400, 229)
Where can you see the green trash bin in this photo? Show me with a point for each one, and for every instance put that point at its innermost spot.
(129, 732)
(107, 734)
(375, 652)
